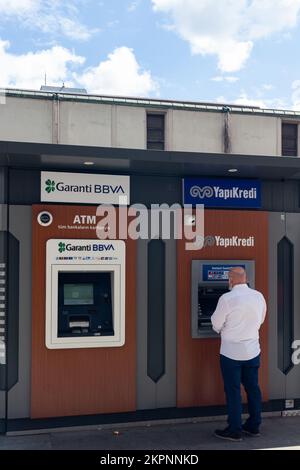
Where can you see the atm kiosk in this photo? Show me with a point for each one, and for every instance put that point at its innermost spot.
(85, 293)
(209, 282)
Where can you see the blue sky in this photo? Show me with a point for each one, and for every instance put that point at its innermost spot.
(235, 51)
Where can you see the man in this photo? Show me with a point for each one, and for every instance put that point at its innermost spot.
(238, 317)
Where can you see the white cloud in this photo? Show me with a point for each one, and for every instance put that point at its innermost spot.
(28, 70)
(221, 99)
(18, 7)
(244, 100)
(50, 16)
(228, 28)
(74, 30)
(120, 74)
(268, 86)
(267, 103)
(221, 78)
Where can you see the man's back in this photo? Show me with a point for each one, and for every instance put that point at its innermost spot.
(238, 317)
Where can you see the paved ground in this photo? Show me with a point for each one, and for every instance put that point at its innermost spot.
(277, 433)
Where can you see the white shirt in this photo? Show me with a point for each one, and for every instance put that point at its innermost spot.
(238, 317)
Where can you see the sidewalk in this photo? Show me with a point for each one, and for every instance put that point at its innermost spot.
(277, 433)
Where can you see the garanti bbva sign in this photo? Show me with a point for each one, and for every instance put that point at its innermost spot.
(85, 188)
(219, 192)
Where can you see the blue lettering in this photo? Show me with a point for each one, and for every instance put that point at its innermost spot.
(106, 189)
(103, 247)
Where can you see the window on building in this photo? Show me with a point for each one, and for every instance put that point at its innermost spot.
(289, 139)
(156, 131)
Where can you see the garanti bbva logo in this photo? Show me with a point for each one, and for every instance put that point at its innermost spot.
(50, 186)
(62, 247)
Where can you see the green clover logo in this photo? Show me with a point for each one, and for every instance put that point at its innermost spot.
(61, 247)
(50, 186)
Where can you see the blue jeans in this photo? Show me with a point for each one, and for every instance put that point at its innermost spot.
(234, 374)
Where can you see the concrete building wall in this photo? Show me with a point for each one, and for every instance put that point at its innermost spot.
(196, 131)
(26, 120)
(129, 127)
(257, 135)
(85, 124)
(124, 126)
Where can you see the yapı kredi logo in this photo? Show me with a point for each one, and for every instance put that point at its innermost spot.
(217, 192)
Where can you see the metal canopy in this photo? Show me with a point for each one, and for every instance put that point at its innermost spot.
(135, 161)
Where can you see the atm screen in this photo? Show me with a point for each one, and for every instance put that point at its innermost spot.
(217, 272)
(85, 304)
(78, 294)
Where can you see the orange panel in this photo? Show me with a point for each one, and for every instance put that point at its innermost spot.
(199, 381)
(78, 381)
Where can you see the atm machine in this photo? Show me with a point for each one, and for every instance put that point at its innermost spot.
(85, 293)
(209, 281)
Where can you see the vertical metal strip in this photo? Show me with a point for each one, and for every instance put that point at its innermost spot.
(156, 310)
(285, 303)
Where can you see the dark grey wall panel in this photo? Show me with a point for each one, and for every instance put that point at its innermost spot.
(155, 190)
(156, 310)
(280, 196)
(162, 393)
(285, 303)
(293, 234)
(3, 263)
(24, 186)
(3, 217)
(13, 311)
(19, 396)
(3, 185)
(283, 385)
(277, 379)
(3, 309)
